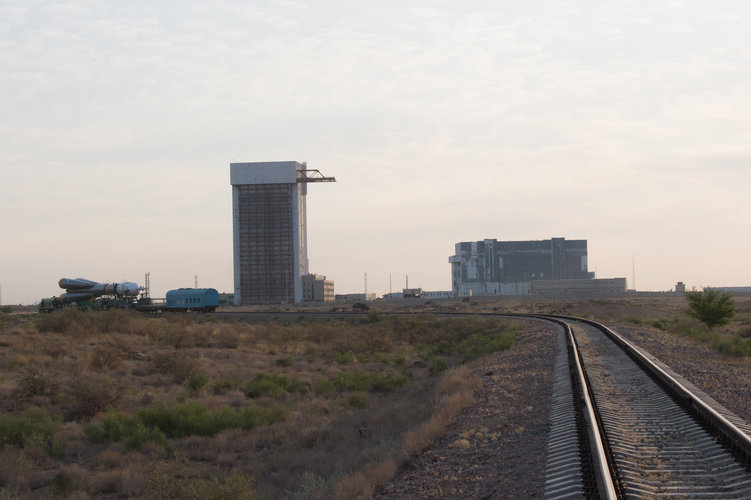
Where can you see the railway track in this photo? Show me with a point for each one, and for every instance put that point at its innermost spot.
(642, 431)
(625, 426)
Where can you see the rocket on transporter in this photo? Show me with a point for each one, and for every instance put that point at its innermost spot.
(79, 289)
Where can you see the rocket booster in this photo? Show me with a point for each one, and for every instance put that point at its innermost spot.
(82, 289)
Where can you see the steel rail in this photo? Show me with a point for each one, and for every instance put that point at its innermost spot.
(732, 434)
(602, 469)
(706, 414)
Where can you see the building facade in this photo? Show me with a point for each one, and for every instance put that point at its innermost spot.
(316, 288)
(269, 229)
(362, 297)
(492, 267)
(610, 287)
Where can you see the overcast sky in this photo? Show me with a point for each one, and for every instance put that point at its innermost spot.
(625, 123)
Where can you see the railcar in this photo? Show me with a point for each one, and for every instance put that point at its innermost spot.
(192, 299)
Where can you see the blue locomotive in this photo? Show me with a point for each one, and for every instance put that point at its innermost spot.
(192, 299)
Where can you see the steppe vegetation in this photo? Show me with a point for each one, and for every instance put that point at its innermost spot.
(711, 307)
(117, 405)
(731, 336)
(669, 313)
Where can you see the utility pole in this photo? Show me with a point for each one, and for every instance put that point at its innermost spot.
(365, 278)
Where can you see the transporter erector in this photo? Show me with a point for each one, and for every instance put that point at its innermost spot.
(87, 294)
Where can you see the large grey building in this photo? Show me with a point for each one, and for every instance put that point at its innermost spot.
(492, 267)
(270, 230)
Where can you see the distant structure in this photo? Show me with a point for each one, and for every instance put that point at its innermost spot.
(316, 288)
(270, 230)
(579, 288)
(735, 290)
(492, 267)
(362, 297)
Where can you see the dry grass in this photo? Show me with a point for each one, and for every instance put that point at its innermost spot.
(117, 405)
(357, 397)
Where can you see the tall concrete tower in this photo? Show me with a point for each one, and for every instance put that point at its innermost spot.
(270, 230)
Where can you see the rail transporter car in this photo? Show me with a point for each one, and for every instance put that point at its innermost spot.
(192, 299)
(182, 299)
(90, 295)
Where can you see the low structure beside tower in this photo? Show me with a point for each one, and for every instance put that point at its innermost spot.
(269, 222)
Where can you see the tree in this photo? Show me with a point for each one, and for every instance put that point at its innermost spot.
(711, 307)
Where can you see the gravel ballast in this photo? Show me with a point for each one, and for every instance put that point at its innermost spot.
(497, 447)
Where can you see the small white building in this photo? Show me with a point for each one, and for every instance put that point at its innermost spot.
(316, 288)
(362, 297)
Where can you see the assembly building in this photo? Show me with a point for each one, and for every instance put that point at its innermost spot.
(270, 231)
(492, 267)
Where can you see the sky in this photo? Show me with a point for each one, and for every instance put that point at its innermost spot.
(622, 122)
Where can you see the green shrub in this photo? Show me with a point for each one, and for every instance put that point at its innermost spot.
(400, 359)
(224, 385)
(265, 384)
(711, 307)
(358, 400)
(193, 419)
(390, 381)
(367, 381)
(324, 386)
(438, 365)
(157, 423)
(311, 352)
(355, 381)
(660, 324)
(344, 358)
(198, 381)
(131, 431)
(479, 345)
(472, 347)
(381, 357)
(284, 361)
(36, 426)
(734, 346)
(270, 384)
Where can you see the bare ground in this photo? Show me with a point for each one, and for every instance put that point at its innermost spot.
(497, 447)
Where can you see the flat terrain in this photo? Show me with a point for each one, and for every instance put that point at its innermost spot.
(115, 405)
(462, 465)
